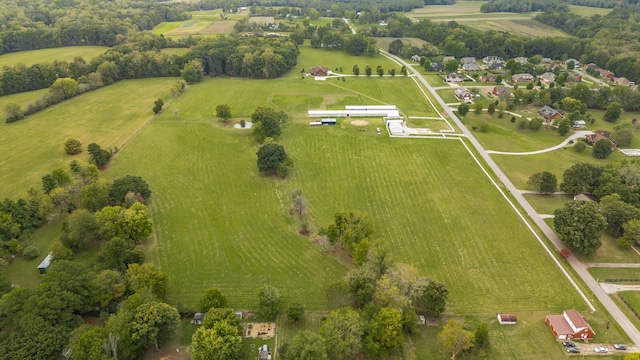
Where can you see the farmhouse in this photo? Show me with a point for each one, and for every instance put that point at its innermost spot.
(488, 78)
(357, 111)
(525, 77)
(507, 319)
(44, 265)
(471, 67)
(548, 77)
(468, 60)
(501, 91)
(570, 325)
(319, 71)
(621, 81)
(549, 113)
(463, 94)
(436, 66)
(454, 78)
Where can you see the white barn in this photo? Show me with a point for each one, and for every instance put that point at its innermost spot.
(358, 111)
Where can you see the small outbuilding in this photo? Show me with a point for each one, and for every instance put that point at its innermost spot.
(197, 318)
(328, 121)
(44, 265)
(507, 319)
(264, 353)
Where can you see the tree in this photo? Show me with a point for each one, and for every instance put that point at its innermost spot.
(431, 298)
(215, 315)
(269, 301)
(477, 108)
(380, 71)
(193, 71)
(13, 112)
(146, 276)
(223, 112)
(117, 254)
(212, 298)
(220, 342)
(623, 136)
(72, 147)
(128, 184)
(451, 66)
(632, 231)
(154, 322)
(481, 336)
(580, 178)
(492, 108)
(384, 332)
(580, 146)
(64, 88)
(356, 70)
(157, 106)
(367, 70)
(602, 149)
(343, 330)
(34, 338)
(48, 183)
(267, 123)
(110, 286)
(614, 110)
(617, 212)
(535, 124)
(86, 343)
(99, 156)
(270, 157)
(307, 345)
(81, 229)
(133, 224)
(455, 338)
(463, 109)
(95, 196)
(543, 182)
(295, 311)
(579, 224)
(564, 127)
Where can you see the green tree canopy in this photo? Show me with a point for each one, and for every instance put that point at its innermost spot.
(221, 342)
(146, 276)
(86, 343)
(212, 298)
(455, 338)
(602, 149)
(343, 331)
(579, 224)
(543, 182)
(307, 345)
(267, 123)
(270, 158)
(81, 229)
(614, 110)
(128, 184)
(580, 178)
(384, 332)
(269, 301)
(223, 112)
(154, 322)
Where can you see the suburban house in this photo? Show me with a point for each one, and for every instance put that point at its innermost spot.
(488, 78)
(415, 58)
(454, 78)
(497, 65)
(549, 113)
(501, 91)
(470, 67)
(463, 94)
(526, 77)
(436, 66)
(591, 66)
(574, 76)
(594, 138)
(575, 62)
(468, 60)
(448, 58)
(583, 197)
(570, 325)
(319, 71)
(492, 59)
(604, 133)
(606, 74)
(546, 60)
(507, 319)
(548, 77)
(622, 81)
(264, 353)
(520, 59)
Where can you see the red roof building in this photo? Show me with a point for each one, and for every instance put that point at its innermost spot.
(319, 71)
(570, 325)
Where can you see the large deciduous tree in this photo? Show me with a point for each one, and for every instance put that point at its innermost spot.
(146, 276)
(384, 332)
(602, 149)
(99, 156)
(154, 322)
(267, 123)
(431, 298)
(579, 224)
(307, 345)
(580, 178)
(223, 112)
(193, 71)
(86, 343)
(222, 341)
(212, 298)
(128, 184)
(455, 338)
(80, 230)
(617, 212)
(270, 158)
(343, 330)
(72, 146)
(543, 182)
(269, 301)
(614, 110)
(133, 224)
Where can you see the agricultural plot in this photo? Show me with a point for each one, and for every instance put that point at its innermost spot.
(48, 55)
(588, 11)
(220, 27)
(261, 19)
(108, 116)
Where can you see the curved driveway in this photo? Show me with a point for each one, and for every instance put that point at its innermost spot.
(578, 266)
(576, 135)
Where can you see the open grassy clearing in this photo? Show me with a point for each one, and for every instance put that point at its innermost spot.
(588, 11)
(384, 42)
(66, 53)
(310, 57)
(633, 299)
(601, 274)
(524, 26)
(108, 116)
(175, 51)
(547, 204)
(22, 99)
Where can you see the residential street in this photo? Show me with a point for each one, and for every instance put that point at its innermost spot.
(579, 267)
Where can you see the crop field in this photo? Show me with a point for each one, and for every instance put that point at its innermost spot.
(48, 55)
(108, 116)
(261, 19)
(220, 27)
(384, 42)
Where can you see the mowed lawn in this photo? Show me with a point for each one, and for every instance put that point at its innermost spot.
(66, 53)
(34, 146)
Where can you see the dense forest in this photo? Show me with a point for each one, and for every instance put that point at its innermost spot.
(519, 6)
(33, 24)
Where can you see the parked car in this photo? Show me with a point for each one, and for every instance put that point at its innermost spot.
(573, 350)
(568, 344)
(620, 346)
(600, 349)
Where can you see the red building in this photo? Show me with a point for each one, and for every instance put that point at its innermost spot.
(570, 325)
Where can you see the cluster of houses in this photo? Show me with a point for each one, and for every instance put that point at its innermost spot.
(609, 76)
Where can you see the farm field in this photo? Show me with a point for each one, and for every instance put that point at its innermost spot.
(108, 116)
(588, 11)
(61, 54)
(22, 99)
(201, 23)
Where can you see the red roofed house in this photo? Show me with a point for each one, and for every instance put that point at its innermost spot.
(599, 135)
(570, 325)
(319, 71)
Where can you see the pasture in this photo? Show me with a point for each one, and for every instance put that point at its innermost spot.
(108, 116)
(48, 55)
(201, 23)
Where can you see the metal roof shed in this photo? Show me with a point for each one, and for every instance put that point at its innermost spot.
(44, 265)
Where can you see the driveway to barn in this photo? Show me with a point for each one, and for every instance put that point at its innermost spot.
(578, 266)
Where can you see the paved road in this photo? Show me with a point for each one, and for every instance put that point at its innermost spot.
(578, 266)
(576, 135)
(537, 193)
(614, 288)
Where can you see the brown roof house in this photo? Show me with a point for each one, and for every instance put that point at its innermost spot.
(622, 81)
(454, 78)
(488, 78)
(549, 113)
(599, 135)
(463, 94)
(526, 77)
(570, 325)
(606, 74)
(319, 71)
(548, 77)
(501, 91)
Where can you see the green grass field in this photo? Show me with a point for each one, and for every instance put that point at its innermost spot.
(588, 11)
(175, 51)
(547, 204)
(61, 54)
(22, 99)
(602, 274)
(633, 299)
(108, 116)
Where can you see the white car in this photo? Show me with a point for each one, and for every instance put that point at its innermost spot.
(600, 349)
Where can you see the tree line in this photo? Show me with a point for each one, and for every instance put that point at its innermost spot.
(520, 6)
(32, 24)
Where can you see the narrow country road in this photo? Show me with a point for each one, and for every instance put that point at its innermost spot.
(579, 267)
(576, 135)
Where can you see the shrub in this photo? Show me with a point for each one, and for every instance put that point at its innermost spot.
(30, 252)
(580, 146)
(484, 127)
(72, 146)
(623, 243)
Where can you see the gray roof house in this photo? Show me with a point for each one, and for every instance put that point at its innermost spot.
(454, 78)
(491, 59)
(448, 58)
(44, 265)
(548, 77)
(525, 77)
(470, 67)
(468, 60)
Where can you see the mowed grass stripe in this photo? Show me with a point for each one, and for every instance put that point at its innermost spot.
(217, 221)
